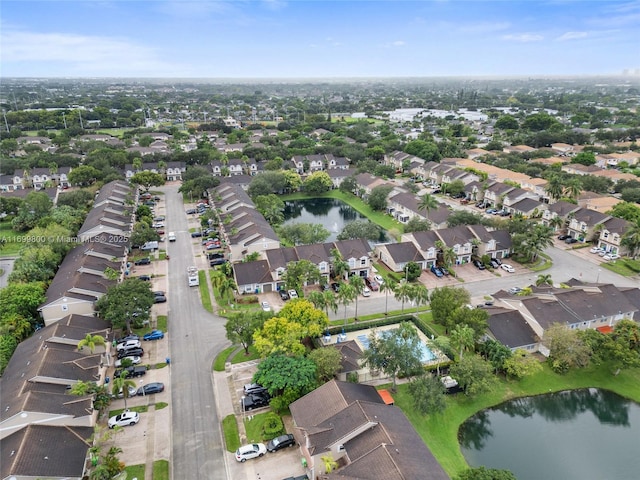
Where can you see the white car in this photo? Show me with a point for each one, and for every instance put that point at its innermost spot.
(253, 450)
(123, 419)
(292, 294)
(379, 279)
(135, 360)
(128, 344)
(508, 268)
(266, 307)
(366, 292)
(595, 250)
(611, 256)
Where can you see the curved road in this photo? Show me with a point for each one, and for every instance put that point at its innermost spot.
(195, 337)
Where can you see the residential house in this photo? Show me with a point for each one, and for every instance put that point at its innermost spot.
(495, 243)
(367, 438)
(595, 201)
(612, 231)
(495, 193)
(356, 253)
(426, 244)
(583, 224)
(509, 327)
(527, 207)
(368, 182)
(253, 277)
(403, 206)
(340, 163)
(612, 160)
(338, 175)
(563, 149)
(562, 210)
(402, 161)
(350, 355)
(6, 183)
(397, 255)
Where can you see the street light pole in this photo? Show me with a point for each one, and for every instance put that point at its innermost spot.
(598, 277)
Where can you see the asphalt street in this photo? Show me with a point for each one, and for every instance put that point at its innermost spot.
(195, 337)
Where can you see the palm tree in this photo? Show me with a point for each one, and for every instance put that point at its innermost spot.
(427, 203)
(544, 280)
(420, 295)
(403, 292)
(631, 239)
(554, 188)
(317, 298)
(357, 283)
(330, 301)
(91, 341)
(81, 388)
(340, 267)
(122, 384)
(449, 257)
(346, 294)
(556, 223)
(386, 287)
(16, 325)
(573, 188)
(463, 337)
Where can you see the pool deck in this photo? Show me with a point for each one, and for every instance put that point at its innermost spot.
(339, 338)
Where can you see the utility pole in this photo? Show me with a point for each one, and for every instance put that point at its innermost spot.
(6, 124)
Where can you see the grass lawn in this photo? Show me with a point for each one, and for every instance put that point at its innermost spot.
(160, 470)
(12, 246)
(379, 218)
(240, 357)
(254, 428)
(161, 405)
(231, 433)
(139, 409)
(135, 471)
(440, 432)
(204, 291)
(223, 356)
(623, 266)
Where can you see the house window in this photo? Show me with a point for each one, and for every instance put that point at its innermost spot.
(352, 263)
(363, 262)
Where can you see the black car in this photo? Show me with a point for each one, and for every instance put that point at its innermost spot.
(254, 388)
(143, 261)
(217, 261)
(132, 336)
(150, 388)
(301, 477)
(283, 295)
(191, 211)
(159, 299)
(479, 265)
(283, 441)
(137, 352)
(196, 234)
(145, 278)
(158, 293)
(134, 371)
(254, 401)
(213, 256)
(335, 286)
(571, 240)
(563, 237)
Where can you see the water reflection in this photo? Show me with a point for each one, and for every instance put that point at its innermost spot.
(577, 434)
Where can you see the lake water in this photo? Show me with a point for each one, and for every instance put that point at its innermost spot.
(585, 434)
(331, 213)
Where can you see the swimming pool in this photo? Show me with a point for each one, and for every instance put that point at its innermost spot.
(426, 357)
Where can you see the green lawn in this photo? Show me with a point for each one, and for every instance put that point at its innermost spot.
(11, 247)
(204, 291)
(160, 470)
(231, 433)
(623, 266)
(440, 432)
(135, 471)
(221, 359)
(254, 428)
(240, 357)
(379, 218)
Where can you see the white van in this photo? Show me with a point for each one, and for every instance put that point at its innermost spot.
(172, 236)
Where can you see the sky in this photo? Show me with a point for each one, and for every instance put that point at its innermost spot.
(317, 39)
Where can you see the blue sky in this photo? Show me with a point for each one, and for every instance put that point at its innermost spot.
(310, 39)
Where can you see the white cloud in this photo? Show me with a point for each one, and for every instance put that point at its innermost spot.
(83, 54)
(523, 37)
(572, 36)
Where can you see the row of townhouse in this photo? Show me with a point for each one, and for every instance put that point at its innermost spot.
(263, 276)
(172, 171)
(45, 431)
(426, 248)
(102, 242)
(587, 225)
(315, 163)
(245, 230)
(520, 322)
(36, 178)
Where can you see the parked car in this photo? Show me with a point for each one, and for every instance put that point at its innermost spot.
(283, 441)
(159, 293)
(131, 390)
(479, 265)
(134, 359)
(491, 211)
(301, 477)
(283, 295)
(253, 450)
(436, 271)
(595, 250)
(571, 240)
(129, 344)
(217, 261)
(372, 284)
(292, 294)
(335, 287)
(266, 307)
(507, 268)
(143, 261)
(131, 336)
(196, 234)
(144, 278)
(151, 388)
(159, 299)
(251, 402)
(514, 290)
(154, 335)
(379, 279)
(123, 419)
(366, 292)
(191, 211)
(611, 256)
(444, 270)
(495, 263)
(563, 237)
(214, 256)
(252, 388)
(133, 352)
(133, 371)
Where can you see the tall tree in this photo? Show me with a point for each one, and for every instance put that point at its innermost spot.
(462, 337)
(631, 239)
(427, 203)
(346, 294)
(357, 283)
(240, 327)
(386, 287)
(403, 292)
(147, 179)
(122, 384)
(91, 341)
(428, 394)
